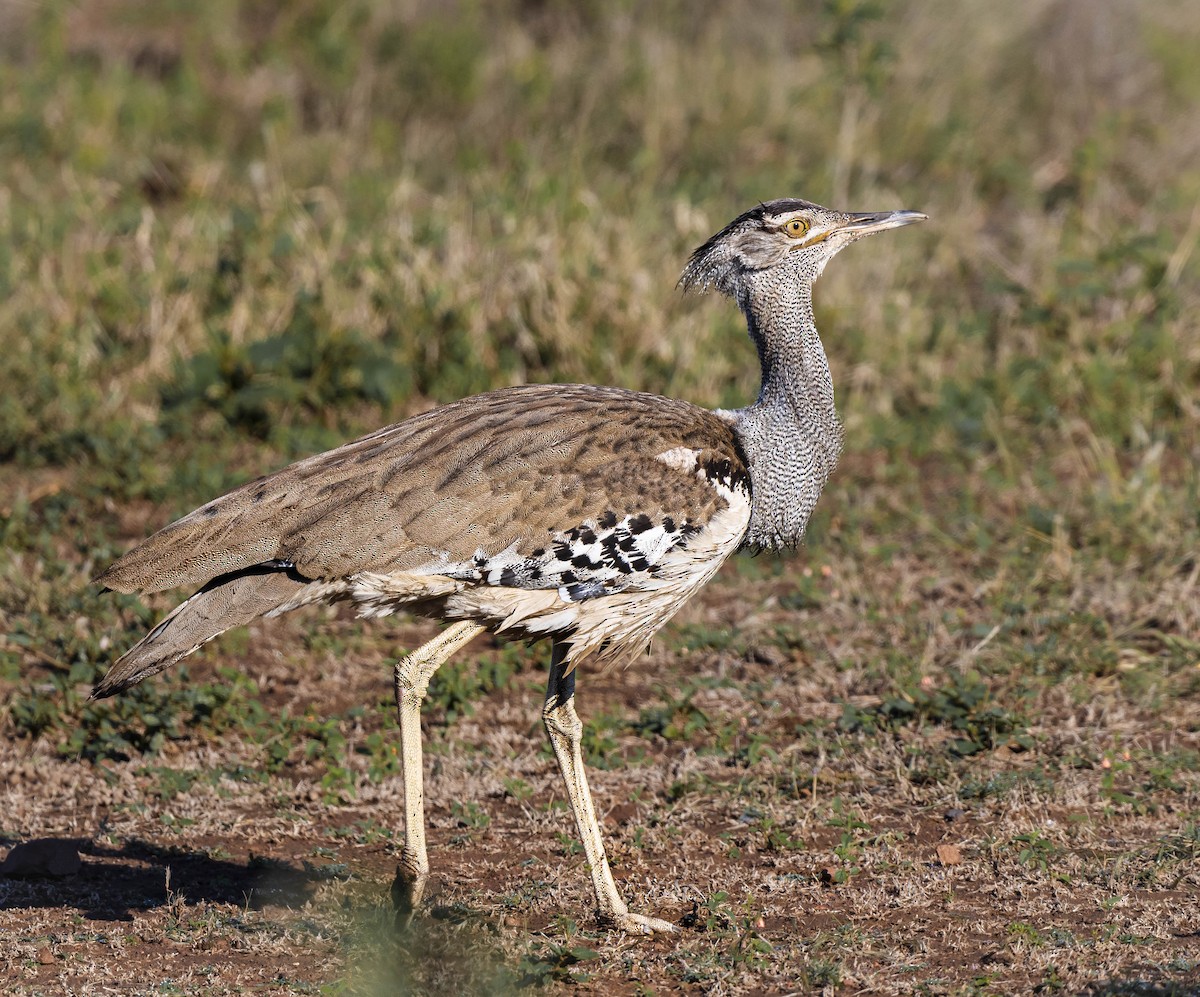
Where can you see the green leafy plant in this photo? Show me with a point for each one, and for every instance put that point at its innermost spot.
(458, 685)
(307, 367)
(556, 964)
(1035, 850)
(964, 704)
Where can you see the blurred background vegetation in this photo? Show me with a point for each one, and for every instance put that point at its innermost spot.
(234, 233)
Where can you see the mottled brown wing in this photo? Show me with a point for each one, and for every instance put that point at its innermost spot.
(513, 466)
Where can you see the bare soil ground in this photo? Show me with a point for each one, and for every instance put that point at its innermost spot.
(794, 855)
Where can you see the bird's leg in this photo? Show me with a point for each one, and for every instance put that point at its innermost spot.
(411, 677)
(566, 736)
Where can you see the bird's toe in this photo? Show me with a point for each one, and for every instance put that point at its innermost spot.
(640, 924)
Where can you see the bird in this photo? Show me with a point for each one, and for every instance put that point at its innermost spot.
(583, 514)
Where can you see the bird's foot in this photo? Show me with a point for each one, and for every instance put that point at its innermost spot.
(640, 924)
(407, 889)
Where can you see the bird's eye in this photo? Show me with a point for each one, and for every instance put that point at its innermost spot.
(796, 228)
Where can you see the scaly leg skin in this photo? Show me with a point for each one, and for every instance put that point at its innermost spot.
(566, 734)
(411, 678)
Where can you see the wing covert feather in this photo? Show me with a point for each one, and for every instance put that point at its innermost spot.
(512, 466)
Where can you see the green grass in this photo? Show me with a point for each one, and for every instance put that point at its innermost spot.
(235, 234)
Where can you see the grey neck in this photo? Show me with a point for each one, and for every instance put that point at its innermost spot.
(791, 435)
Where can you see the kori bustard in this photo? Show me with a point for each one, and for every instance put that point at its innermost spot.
(585, 514)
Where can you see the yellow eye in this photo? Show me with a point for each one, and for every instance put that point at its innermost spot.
(796, 228)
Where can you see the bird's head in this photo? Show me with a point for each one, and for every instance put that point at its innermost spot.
(790, 233)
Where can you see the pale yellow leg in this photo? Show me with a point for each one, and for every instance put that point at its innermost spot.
(566, 736)
(411, 677)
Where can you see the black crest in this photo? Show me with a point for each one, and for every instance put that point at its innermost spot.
(718, 262)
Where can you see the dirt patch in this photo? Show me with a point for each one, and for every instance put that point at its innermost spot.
(793, 854)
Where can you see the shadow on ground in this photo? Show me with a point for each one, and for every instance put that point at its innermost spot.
(1140, 988)
(114, 882)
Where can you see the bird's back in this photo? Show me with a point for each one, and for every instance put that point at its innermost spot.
(516, 507)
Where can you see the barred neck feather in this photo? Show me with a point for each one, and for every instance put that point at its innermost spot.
(791, 434)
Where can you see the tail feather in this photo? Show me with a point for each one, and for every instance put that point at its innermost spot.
(226, 602)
